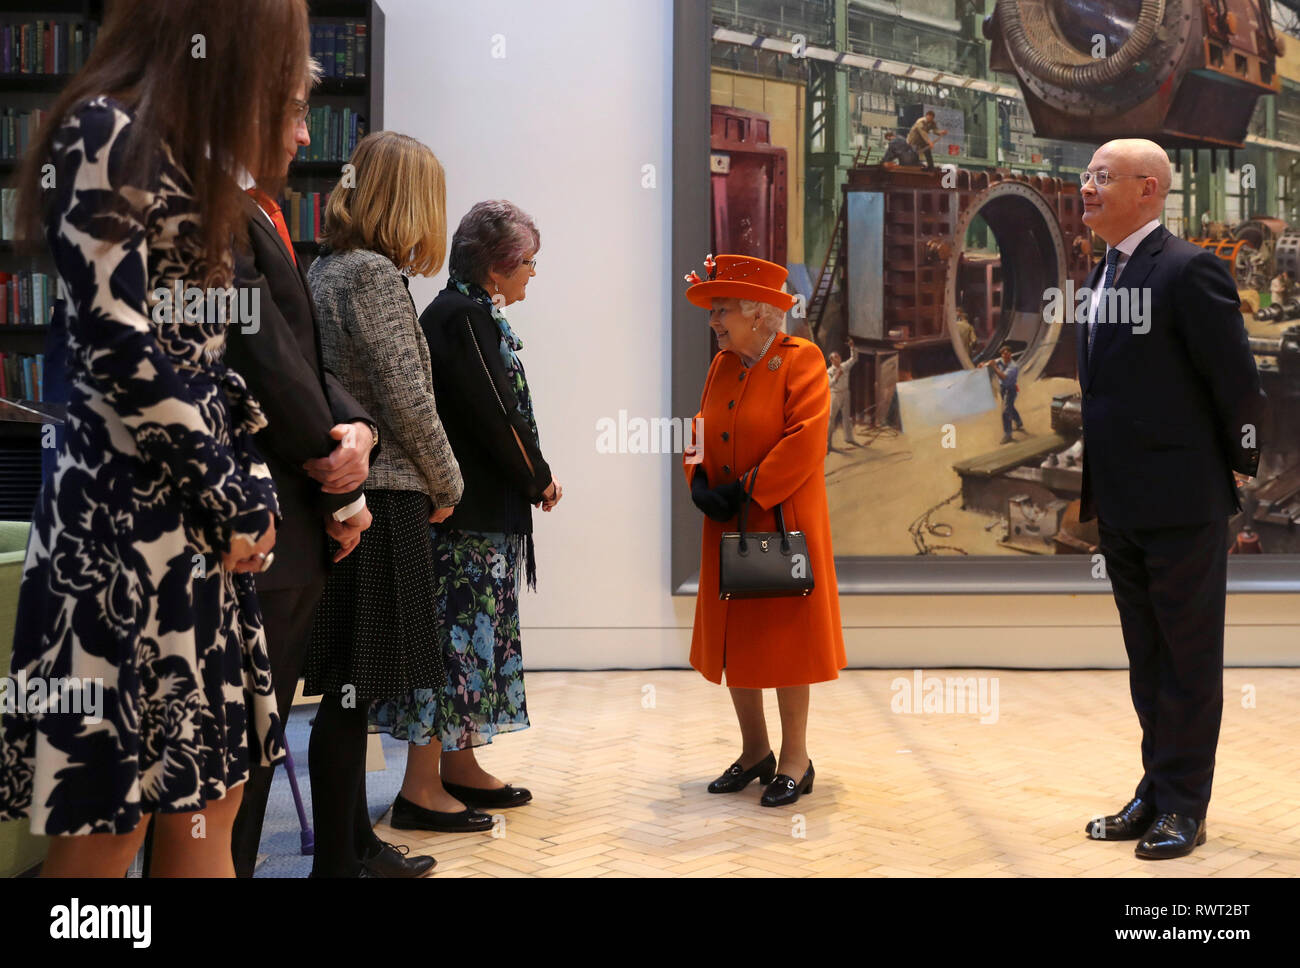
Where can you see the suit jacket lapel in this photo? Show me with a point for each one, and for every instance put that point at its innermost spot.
(1135, 273)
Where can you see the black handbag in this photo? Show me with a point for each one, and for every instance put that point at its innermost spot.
(763, 564)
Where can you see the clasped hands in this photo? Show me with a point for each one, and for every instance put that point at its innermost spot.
(551, 496)
(721, 503)
(342, 472)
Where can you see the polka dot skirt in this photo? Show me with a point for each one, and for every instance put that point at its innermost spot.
(376, 626)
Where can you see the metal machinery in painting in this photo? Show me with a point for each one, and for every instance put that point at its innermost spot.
(1185, 73)
(907, 269)
(749, 185)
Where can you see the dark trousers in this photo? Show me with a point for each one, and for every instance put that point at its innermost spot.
(929, 157)
(1170, 587)
(287, 616)
(1010, 415)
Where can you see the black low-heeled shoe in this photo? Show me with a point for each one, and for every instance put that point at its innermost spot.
(783, 790)
(412, 816)
(506, 796)
(737, 777)
(394, 860)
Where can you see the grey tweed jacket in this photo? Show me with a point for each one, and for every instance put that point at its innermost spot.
(371, 339)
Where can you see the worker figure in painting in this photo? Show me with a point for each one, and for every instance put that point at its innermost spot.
(838, 374)
(919, 139)
(966, 332)
(898, 152)
(1008, 372)
(1280, 288)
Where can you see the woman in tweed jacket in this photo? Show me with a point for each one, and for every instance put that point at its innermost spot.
(374, 634)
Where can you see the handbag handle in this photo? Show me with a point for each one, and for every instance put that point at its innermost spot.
(744, 516)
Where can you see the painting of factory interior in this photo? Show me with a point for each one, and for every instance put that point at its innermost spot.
(920, 177)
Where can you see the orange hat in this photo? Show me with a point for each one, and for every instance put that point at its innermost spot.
(740, 277)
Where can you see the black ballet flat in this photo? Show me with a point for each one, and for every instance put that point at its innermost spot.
(506, 796)
(784, 791)
(737, 777)
(411, 816)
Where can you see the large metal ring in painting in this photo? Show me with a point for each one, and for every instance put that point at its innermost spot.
(1052, 44)
(1033, 258)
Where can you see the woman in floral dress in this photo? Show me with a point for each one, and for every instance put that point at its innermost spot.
(483, 553)
(138, 572)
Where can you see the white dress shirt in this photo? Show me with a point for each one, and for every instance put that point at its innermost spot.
(1126, 248)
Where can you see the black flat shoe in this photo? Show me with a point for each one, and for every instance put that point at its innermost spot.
(737, 777)
(391, 860)
(411, 816)
(506, 796)
(1172, 835)
(1129, 824)
(783, 791)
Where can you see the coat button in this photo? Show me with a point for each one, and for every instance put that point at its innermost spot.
(730, 404)
(726, 436)
(726, 468)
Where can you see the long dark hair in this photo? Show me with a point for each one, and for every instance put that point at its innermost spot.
(211, 80)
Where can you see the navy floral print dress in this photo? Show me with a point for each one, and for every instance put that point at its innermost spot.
(478, 576)
(123, 583)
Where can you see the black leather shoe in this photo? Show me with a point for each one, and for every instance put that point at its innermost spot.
(1129, 824)
(1172, 835)
(783, 791)
(391, 860)
(737, 777)
(506, 796)
(411, 816)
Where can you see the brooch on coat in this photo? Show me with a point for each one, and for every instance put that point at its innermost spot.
(774, 362)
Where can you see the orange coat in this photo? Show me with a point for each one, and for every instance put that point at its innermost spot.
(777, 419)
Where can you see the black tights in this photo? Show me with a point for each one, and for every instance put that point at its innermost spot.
(336, 760)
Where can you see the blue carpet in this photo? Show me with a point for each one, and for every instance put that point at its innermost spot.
(281, 832)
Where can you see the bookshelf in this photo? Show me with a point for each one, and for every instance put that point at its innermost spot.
(42, 44)
(348, 103)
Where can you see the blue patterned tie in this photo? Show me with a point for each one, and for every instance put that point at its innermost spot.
(1112, 260)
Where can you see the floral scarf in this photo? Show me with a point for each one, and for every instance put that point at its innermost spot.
(510, 345)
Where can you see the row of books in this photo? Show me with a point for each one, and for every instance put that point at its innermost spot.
(305, 214)
(334, 134)
(17, 129)
(340, 48)
(22, 377)
(46, 46)
(28, 298)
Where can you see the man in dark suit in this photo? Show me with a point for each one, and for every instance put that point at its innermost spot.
(317, 444)
(1171, 408)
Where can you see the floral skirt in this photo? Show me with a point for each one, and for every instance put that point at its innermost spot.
(475, 576)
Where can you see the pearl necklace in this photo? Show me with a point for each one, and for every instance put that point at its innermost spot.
(761, 353)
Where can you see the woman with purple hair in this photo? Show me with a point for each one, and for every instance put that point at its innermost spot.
(483, 553)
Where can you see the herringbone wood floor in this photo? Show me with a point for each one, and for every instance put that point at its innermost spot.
(618, 763)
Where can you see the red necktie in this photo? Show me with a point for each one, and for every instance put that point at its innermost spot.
(276, 216)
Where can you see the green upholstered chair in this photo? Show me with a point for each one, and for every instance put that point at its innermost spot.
(19, 850)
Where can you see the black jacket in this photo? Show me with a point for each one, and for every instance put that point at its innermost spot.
(1164, 411)
(302, 400)
(478, 409)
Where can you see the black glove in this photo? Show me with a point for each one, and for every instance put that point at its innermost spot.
(721, 503)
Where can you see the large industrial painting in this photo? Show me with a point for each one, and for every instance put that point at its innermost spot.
(916, 167)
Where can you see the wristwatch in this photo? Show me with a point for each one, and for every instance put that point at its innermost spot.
(374, 435)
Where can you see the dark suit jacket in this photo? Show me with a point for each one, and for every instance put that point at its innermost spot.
(479, 412)
(302, 400)
(1164, 410)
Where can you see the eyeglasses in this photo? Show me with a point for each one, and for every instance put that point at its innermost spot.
(1102, 177)
(531, 263)
(300, 110)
